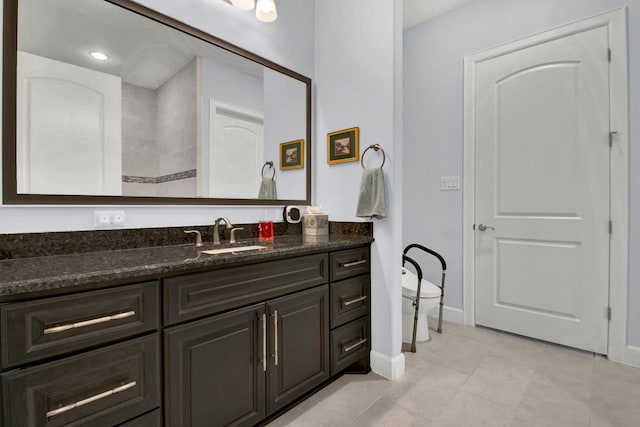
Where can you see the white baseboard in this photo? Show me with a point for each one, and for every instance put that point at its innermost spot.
(450, 314)
(629, 356)
(392, 368)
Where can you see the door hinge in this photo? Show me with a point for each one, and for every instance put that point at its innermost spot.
(608, 313)
(609, 54)
(611, 135)
(610, 227)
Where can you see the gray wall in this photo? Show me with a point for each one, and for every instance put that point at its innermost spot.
(283, 105)
(177, 130)
(138, 138)
(433, 120)
(357, 83)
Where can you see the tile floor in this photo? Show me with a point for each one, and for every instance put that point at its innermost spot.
(480, 377)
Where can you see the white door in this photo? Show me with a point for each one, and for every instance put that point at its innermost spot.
(68, 129)
(236, 152)
(542, 189)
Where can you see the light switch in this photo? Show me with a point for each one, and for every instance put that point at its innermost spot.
(450, 183)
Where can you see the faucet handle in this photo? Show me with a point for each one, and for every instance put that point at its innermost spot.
(232, 234)
(198, 237)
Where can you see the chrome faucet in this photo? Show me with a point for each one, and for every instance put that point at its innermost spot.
(216, 232)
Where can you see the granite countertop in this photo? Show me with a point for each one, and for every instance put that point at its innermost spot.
(26, 277)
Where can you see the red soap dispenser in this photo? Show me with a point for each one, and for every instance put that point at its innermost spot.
(265, 229)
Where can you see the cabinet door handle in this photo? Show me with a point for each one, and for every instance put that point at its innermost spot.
(353, 263)
(353, 301)
(89, 322)
(351, 347)
(264, 342)
(90, 399)
(275, 335)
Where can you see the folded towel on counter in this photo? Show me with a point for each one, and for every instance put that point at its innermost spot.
(267, 189)
(372, 202)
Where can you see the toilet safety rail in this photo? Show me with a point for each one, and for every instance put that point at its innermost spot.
(443, 263)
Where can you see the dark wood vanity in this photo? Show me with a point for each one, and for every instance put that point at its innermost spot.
(209, 343)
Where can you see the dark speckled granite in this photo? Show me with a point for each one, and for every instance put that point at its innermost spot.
(25, 245)
(40, 276)
(351, 228)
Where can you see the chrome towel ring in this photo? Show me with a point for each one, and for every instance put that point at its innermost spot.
(376, 147)
(270, 164)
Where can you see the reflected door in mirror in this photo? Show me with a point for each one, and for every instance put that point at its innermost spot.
(236, 148)
(68, 129)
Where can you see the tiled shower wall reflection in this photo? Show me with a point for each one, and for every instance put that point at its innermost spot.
(159, 136)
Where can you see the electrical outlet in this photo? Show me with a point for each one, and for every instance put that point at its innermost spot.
(109, 218)
(118, 218)
(102, 218)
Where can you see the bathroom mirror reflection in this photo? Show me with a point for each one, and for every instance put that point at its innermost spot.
(127, 108)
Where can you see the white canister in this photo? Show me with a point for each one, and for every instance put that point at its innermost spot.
(315, 224)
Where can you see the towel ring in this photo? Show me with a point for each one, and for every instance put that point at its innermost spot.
(270, 164)
(375, 147)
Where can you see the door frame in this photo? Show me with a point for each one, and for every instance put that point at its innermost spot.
(616, 23)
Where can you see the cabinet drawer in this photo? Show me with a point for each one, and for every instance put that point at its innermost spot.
(152, 419)
(104, 387)
(43, 328)
(349, 263)
(196, 295)
(350, 343)
(350, 299)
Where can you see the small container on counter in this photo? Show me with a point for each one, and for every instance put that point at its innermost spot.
(315, 223)
(265, 229)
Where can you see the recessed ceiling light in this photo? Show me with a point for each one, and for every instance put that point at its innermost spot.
(99, 55)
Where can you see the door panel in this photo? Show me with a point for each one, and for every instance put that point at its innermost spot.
(214, 374)
(299, 345)
(542, 183)
(68, 128)
(236, 151)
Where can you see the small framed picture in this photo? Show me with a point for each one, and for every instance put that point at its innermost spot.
(343, 146)
(292, 154)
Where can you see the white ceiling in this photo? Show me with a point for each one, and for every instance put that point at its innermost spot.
(141, 51)
(417, 11)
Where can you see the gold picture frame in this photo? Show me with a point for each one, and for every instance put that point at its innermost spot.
(343, 146)
(292, 154)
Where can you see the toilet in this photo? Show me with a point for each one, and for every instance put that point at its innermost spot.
(429, 299)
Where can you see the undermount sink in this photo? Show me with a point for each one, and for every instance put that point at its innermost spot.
(235, 249)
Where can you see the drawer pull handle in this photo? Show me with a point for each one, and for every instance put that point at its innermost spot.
(89, 322)
(351, 347)
(93, 398)
(353, 263)
(264, 342)
(353, 301)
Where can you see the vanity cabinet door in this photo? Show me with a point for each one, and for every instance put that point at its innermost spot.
(299, 345)
(215, 370)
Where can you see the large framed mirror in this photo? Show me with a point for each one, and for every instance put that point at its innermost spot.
(109, 102)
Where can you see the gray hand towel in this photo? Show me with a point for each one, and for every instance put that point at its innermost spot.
(372, 201)
(267, 189)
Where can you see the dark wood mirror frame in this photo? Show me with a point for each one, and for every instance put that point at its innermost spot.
(9, 165)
